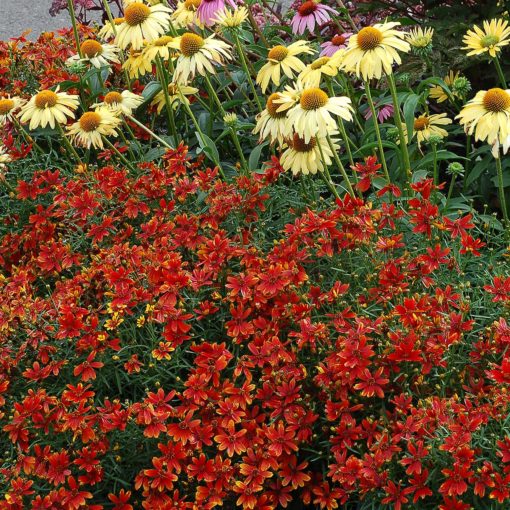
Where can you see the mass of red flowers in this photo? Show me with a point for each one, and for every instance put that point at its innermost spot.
(170, 340)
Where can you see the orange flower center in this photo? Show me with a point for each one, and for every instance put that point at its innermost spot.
(90, 121)
(272, 106)
(136, 13)
(192, 5)
(278, 53)
(299, 145)
(91, 48)
(319, 63)
(421, 123)
(191, 44)
(369, 38)
(338, 40)
(113, 98)
(6, 105)
(496, 100)
(163, 41)
(46, 99)
(313, 99)
(307, 8)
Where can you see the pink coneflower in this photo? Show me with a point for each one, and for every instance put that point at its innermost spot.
(383, 112)
(208, 9)
(329, 48)
(308, 14)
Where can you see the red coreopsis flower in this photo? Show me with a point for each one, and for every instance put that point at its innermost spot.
(121, 500)
(396, 494)
(372, 384)
(281, 440)
(368, 171)
(87, 370)
(230, 440)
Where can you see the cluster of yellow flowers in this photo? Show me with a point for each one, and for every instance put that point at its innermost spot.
(303, 119)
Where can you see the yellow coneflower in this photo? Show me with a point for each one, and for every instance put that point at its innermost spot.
(301, 157)
(272, 123)
(164, 47)
(487, 115)
(136, 64)
(420, 38)
(491, 39)
(49, 108)
(92, 126)
(8, 105)
(374, 50)
(311, 116)
(282, 59)
(186, 14)
(174, 95)
(120, 102)
(99, 55)
(142, 23)
(427, 125)
(312, 75)
(438, 93)
(198, 55)
(4, 158)
(108, 30)
(231, 19)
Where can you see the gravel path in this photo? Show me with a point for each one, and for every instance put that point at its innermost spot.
(19, 15)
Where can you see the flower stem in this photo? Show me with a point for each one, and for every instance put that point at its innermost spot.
(377, 130)
(500, 72)
(400, 127)
(168, 104)
(146, 129)
(246, 70)
(67, 143)
(70, 7)
(340, 166)
(502, 198)
(450, 191)
(119, 154)
(26, 136)
(435, 169)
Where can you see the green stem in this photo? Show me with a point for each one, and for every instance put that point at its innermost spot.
(340, 166)
(67, 143)
(500, 72)
(255, 25)
(213, 94)
(502, 197)
(70, 7)
(26, 136)
(450, 191)
(435, 171)
(239, 150)
(168, 103)
(247, 71)
(197, 125)
(377, 131)
(126, 143)
(146, 129)
(467, 162)
(400, 127)
(108, 11)
(119, 154)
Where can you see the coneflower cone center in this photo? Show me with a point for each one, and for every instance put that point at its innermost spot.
(46, 99)
(191, 44)
(338, 40)
(421, 123)
(307, 8)
(278, 53)
(313, 99)
(90, 121)
(319, 63)
(163, 41)
(369, 38)
(113, 98)
(90, 48)
(192, 5)
(6, 105)
(496, 100)
(489, 40)
(299, 145)
(272, 106)
(136, 13)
